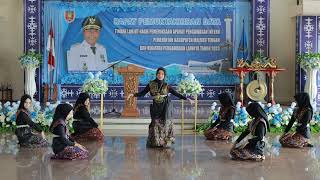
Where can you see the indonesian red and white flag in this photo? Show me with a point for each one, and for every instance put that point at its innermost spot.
(50, 48)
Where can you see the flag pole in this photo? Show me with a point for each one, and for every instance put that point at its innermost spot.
(51, 62)
(243, 38)
(49, 47)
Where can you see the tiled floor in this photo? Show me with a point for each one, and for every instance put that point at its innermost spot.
(125, 157)
(144, 109)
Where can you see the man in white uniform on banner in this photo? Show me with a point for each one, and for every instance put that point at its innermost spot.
(88, 55)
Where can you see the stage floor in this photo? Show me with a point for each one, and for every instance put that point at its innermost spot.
(125, 157)
(204, 109)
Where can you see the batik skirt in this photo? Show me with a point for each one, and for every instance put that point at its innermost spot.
(244, 153)
(94, 134)
(293, 140)
(33, 141)
(160, 134)
(71, 153)
(217, 134)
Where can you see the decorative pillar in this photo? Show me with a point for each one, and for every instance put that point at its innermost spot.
(33, 36)
(261, 27)
(307, 31)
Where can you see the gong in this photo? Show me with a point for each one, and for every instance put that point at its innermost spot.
(257, 90)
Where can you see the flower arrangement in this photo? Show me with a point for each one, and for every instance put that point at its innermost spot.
(277, 117)
(212, 118)
(42, 117)
(261, 58)
(214, 112)
(30, 60)
(309, 61)
(189, 85)
(95, 85)
(45, 117)
(9, 115)
(241, 117)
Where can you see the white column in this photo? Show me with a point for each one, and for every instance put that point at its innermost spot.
(311, 86)
(30, 83)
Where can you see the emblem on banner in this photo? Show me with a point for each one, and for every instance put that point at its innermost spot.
(69, 15)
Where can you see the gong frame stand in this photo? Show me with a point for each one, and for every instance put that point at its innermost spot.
(271, 73)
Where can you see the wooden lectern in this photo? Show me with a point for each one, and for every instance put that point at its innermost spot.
(130, 75)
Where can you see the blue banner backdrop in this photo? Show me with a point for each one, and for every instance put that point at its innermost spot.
(173, 35)
(218, 52)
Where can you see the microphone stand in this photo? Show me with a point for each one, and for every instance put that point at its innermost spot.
(113, 111)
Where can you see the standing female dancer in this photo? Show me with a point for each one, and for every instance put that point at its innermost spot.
(161, 127)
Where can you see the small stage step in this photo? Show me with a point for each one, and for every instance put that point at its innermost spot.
(142, 123)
